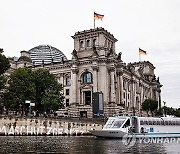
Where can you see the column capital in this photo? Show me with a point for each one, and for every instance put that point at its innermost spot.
(95, 68)
(74, 70)
(111, 69)
(119, 73)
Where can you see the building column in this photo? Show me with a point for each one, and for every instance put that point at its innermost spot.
(73, 91)
(133, 95)
(120, 87)
(141, 96)
(95, 78)
(113, 95)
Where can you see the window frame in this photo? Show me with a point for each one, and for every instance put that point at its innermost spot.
(87, 78)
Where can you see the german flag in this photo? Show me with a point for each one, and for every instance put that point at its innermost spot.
(142, 52)
(98, 16)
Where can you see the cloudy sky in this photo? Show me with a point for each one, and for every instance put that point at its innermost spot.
(153, 25)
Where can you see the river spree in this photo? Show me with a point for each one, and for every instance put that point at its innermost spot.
(80, 144)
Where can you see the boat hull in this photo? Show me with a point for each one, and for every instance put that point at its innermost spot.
(108, 133)
(121, 134)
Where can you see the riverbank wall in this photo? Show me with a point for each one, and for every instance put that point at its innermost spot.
(44, 126)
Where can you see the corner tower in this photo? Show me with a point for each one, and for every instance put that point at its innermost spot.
(94, 42)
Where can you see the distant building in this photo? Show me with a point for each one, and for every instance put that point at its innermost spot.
(95, 67)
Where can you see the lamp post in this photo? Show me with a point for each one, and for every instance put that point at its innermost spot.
(30, 105)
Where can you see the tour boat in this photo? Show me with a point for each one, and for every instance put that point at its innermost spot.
(119, 126)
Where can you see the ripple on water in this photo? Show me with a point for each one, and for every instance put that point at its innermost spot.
(81, 144)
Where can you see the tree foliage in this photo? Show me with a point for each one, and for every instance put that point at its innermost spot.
(177, 112)
(21, 88)
(4, 66)
(39, 86)
(168, 110)
(48, 91)
(150, 105)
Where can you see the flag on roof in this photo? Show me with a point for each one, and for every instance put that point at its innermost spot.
(142, 52)
(98, 16)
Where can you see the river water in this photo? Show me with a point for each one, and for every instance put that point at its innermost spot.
(81, 145)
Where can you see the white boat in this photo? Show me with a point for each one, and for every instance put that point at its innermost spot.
(119, 126)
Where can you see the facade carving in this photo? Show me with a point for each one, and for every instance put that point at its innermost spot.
(95, 67)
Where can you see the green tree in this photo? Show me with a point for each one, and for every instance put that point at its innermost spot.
(4, 66)
(168, 110)
(48, 91)
(4, 63)
(150, 105)
(39, 87)
(177, 112)
(21, 88)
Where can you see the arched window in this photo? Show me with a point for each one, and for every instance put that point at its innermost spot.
(94, 42)
(87, 77)
(81, 44)
(88, 43)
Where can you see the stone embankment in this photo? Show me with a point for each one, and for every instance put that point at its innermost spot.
(45, 126)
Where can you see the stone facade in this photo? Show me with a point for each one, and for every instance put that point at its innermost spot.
(95, 67)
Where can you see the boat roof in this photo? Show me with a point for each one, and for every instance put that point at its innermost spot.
(147, 118)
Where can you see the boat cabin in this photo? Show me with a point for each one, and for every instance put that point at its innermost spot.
(134, 124)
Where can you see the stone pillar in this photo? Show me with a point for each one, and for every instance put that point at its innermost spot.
(120, 87)
(141, 96)
(73, 91)
(112, 94)
(133, 95)
(95, 78)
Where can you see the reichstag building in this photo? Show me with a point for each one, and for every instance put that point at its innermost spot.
(96, 82)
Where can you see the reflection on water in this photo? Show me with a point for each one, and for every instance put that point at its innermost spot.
(78, 145)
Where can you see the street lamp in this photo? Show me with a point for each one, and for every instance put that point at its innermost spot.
(30, 105)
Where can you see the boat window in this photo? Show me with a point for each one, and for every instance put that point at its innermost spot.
(150, 122)
(127, 123)
(158, 122)
(146, 122)
(142, 122)
(109, 123)
(154, 122)
(118, 123)
(162, 122)
(177, 122)
(170, 122)
(174, 122)
(166, 123)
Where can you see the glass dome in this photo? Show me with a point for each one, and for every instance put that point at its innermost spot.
(46, 54)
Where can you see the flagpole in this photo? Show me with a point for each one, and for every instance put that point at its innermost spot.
(94, 23)
(139, 57)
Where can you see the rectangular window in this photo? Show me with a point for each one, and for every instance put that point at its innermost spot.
(87, 96)
(124, 95)
(88, 43)
(67, 102)
(67, 92)
(68, 81)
